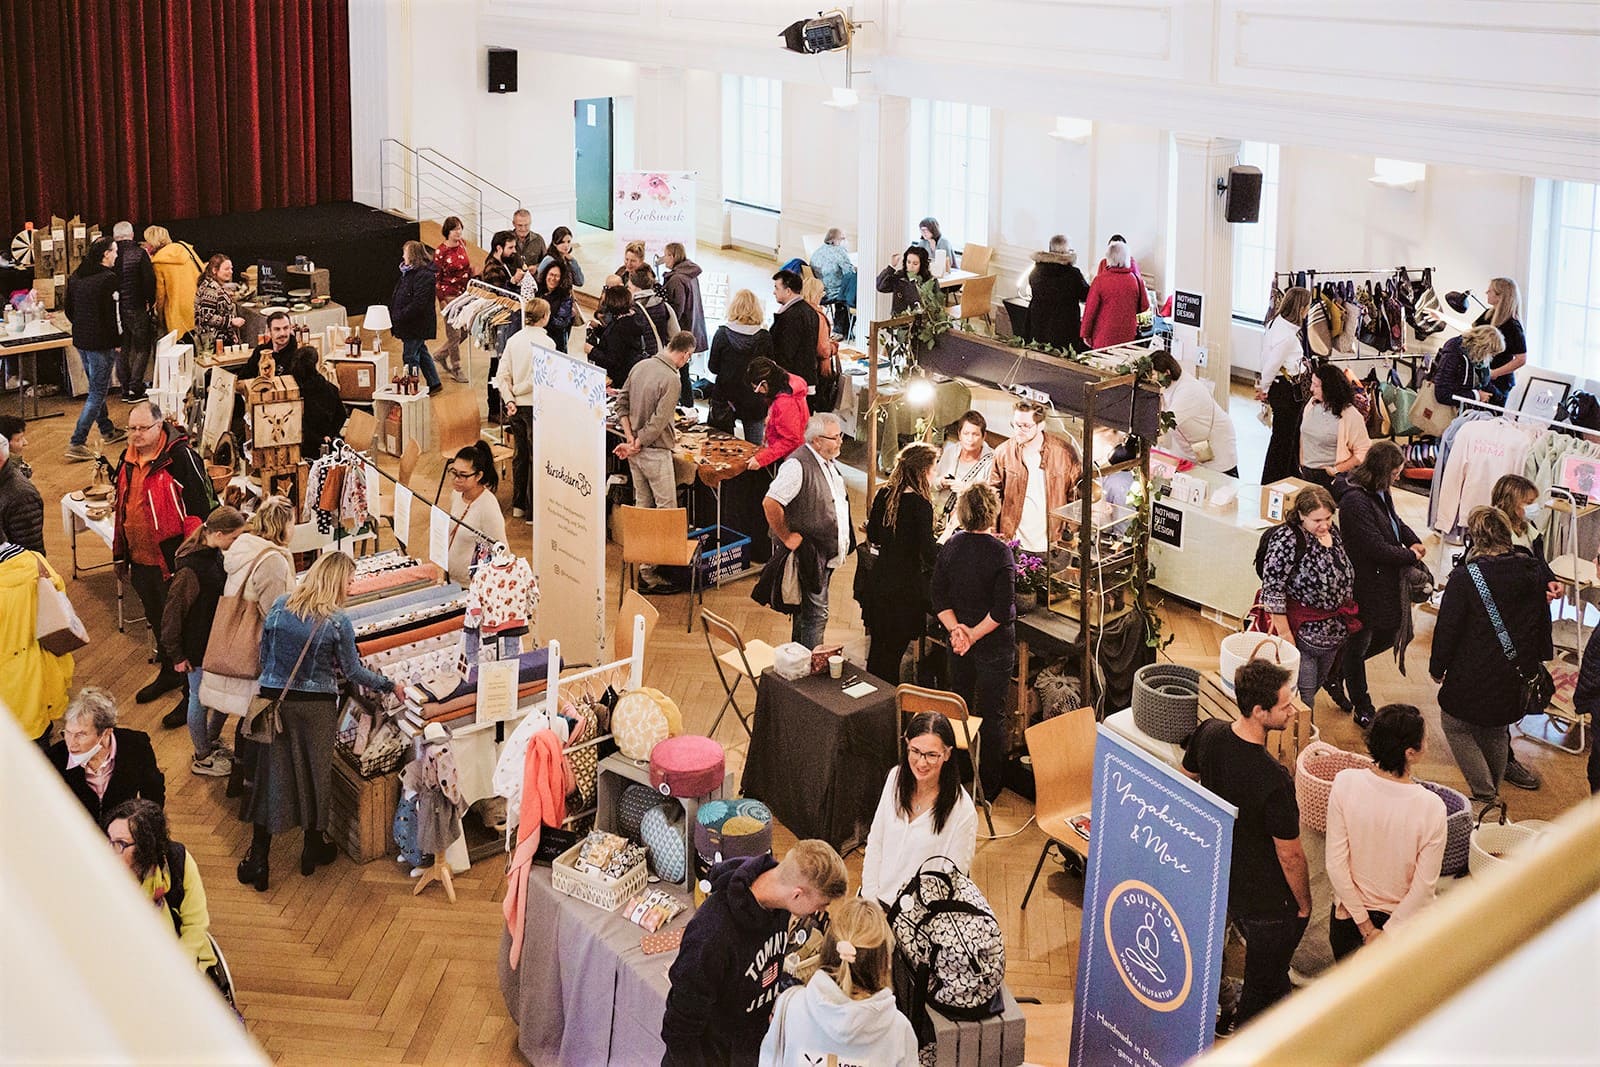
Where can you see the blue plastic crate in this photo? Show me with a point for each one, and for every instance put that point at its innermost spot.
(724, 553)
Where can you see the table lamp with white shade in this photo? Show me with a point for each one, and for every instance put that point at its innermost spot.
(376, 320)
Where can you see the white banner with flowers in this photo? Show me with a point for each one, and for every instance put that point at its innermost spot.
(655, 206)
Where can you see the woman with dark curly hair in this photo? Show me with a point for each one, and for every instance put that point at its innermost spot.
(166, 871)
(1333, 433)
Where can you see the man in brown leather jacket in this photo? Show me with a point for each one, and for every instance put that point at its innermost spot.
(1034, 473)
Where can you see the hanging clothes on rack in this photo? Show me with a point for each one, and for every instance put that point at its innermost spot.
(503, 597)
(432, 777)
(1482, 451)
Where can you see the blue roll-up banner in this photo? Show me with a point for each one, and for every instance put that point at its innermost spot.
(1155, 907)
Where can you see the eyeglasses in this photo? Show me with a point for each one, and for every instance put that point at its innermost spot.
(923, 756)
(119, 846)
(138, 428)
(461, 474)
(829, 436)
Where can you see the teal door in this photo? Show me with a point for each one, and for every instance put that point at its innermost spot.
(592, 139)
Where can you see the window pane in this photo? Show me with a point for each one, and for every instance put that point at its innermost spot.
(1572, 267)
(1577, 204)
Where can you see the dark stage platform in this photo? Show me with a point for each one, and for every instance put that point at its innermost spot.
(359, 245)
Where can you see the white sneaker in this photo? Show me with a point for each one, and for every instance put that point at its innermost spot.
(216, 765)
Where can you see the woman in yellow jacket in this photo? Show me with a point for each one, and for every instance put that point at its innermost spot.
(177, 274)
(137, 830)
(33, 682)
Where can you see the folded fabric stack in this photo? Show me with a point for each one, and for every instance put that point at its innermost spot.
(451, 697)
(369, 587)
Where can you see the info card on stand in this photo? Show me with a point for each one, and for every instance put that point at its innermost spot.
(1155, 908)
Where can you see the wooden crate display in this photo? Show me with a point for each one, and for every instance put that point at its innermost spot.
(276, 411)
(1216, 702)
(361, 811)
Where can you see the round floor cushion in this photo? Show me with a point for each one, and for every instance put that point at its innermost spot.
(687, 766)
(642, 718)
(662, 831)
(632, 803)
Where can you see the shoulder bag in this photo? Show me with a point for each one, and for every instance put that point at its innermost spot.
(261, 722)
(1203, 452)
(1537, 688)
(234, 648)
(57, 628)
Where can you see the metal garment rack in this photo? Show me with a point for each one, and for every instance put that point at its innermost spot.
(1312, 275)
(1409, 359)
(340, 450)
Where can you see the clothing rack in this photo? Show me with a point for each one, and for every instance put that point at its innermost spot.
(1347, 273)
(494, 292)
(1515, 416)
(343, 452)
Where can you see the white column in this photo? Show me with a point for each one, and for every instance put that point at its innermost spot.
(883, 144)
(1203, 248)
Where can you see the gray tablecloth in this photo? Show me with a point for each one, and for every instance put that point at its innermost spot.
(584, 991)
(819, 758)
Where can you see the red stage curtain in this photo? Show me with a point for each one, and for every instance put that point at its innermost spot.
(165, 109)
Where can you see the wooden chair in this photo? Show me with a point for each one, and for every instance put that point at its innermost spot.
(976, 258)
(409, 458)
(659, 537)
(1062, 750)
(458, 424)
(622, 630)
(359, 430)
(746, 659)
(977, 300)
(914, 699)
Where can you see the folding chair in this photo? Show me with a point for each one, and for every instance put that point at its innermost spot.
(746, 659)
(915, 699)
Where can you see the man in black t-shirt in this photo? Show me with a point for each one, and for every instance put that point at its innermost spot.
(1269, 887)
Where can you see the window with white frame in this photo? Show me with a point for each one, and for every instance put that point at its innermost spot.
(949, 157)
(752, 140)
(1255, 245)
(1562, 318)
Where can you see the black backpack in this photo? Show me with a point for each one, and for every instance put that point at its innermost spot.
(176, 862)
(1268, 534)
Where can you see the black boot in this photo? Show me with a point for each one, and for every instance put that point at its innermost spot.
(179, 715)
(164, 683)
(1335, 689)
(253, 868)
(318, 851)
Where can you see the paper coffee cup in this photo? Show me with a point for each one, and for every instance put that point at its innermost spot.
(836, 666)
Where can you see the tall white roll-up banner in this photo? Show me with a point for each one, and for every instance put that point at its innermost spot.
(568, 498)
(654, 206)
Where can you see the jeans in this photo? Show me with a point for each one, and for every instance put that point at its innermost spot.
(981, 678)
(1270, 941)
(811, 621)
(1480, 752)
(133, 359)
(414, 351)
(501, 336)
(205, 727)
(151, 589)
(1316, 664)
(521, 427)
(449, 356)
(97, 365)
(1361, 646)
(755, 431)
(1344, 936)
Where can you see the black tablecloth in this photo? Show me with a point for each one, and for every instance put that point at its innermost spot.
(818, 758)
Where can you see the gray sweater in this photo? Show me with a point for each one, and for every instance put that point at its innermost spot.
(648, 401)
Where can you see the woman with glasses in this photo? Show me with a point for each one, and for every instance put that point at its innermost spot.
(137, 830)
(473, 478)
(924, 812)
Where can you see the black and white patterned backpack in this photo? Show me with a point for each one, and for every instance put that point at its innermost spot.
(949, 934)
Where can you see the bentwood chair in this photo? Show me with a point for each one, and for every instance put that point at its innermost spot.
(458, 424)
(359, 430)
(912, 700)
(622, 630)
(743, 659)
(977, 300)
(1062, 750)
(976, 258)
(658, 537)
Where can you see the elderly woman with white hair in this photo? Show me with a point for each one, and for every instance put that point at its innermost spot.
(1115, 300)
(102, 763)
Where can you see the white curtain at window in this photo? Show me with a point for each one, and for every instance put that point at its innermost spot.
(752, 140)
(1255, 245)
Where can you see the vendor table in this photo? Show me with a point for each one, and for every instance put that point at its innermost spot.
(1213, 562)
(951, 399)
(26, 348)
(584, 992)
(818, 758)
(318, 319)
(951, 279)
(717, 458)
(74, 519)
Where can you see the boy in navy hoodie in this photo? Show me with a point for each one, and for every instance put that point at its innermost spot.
(725, 979)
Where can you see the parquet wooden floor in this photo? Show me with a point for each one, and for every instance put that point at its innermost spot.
(348, 967)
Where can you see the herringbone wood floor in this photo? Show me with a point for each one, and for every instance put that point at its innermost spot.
(347, 966)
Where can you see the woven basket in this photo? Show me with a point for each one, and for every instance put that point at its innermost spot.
(1166, 701)
(1240, 648)
(1314, 771)
(1458, 829)
(604, 893)
(1493, 843)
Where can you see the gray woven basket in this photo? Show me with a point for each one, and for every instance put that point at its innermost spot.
(1166, 701)
(1458, 829)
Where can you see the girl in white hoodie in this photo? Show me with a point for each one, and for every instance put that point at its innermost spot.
(263, 540)
(846, 1012)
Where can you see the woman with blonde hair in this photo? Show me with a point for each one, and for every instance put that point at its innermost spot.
(827, 395)
(306, 634)
(735, 344)
(894, 593)
(413, 312)
(1282, 364)
(177, 268)
(845, 1013)
(1461, 366)
(1504, 314)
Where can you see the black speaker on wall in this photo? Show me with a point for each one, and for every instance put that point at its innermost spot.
(502, 70)
(1244, 194)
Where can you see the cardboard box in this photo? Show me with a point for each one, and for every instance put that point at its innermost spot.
(1276, 498)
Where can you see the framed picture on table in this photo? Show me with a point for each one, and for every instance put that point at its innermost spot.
(1542, 396)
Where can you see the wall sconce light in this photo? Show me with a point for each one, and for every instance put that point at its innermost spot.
(1075, 130)
(843, 99)
(1398, 173)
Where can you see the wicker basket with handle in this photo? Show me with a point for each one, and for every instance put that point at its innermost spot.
(1314, 771)
(1240, 648)
(1493, 842)
(1458, 829)
(604, 893)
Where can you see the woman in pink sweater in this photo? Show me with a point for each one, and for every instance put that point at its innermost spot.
(1386, 835)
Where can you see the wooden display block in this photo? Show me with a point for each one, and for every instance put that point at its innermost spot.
(618, 771)
(316, 280)
(361, 811)
(979, 1043)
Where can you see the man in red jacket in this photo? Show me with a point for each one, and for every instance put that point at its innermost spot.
(163, 495)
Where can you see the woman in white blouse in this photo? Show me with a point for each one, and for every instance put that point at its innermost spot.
(1202, 429)
(1282, 360)
(966, 459)
(924, 812)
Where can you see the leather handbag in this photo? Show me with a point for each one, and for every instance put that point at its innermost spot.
(234, 648)
(1428, 414)
(261, 722)
(58, 629)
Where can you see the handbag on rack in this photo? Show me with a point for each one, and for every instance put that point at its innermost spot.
(1537, 688)
(234, 648)
(261, 722)
(1428, 414)
(57, 628)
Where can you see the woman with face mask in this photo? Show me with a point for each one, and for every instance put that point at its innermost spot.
(102, 763)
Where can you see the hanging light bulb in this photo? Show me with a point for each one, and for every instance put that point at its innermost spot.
(919, 391)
